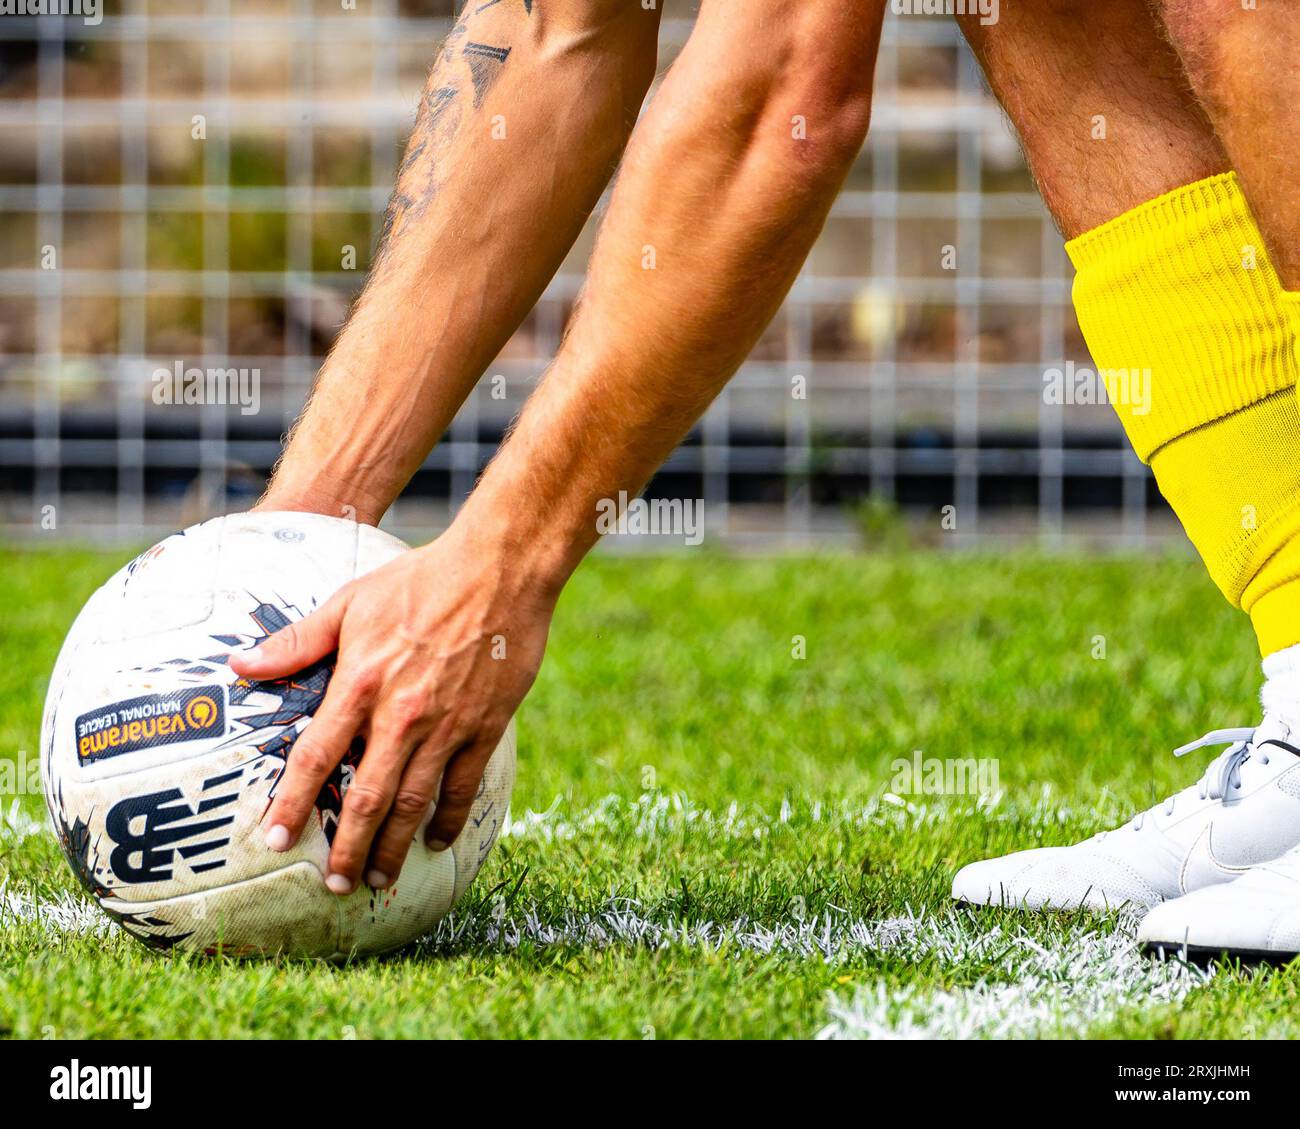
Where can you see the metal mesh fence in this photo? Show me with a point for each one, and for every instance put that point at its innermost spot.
(198, 183)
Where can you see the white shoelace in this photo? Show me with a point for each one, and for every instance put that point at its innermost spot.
(1224, 772)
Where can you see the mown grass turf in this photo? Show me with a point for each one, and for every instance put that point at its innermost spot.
(716, 822)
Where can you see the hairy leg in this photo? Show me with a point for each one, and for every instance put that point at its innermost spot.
(522, 121)
(1176, 288)
(1244, 64)
(1099, 99)
(1167, 289)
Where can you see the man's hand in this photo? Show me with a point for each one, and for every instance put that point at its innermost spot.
(436, 651)
(731, 198)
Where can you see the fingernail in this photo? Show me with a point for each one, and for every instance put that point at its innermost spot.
(376, 879)
(437, 845)
(278, 838)
(339, 884)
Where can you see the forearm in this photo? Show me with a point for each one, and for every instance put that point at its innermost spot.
(508, 156)
(726, 186)
(437, 649)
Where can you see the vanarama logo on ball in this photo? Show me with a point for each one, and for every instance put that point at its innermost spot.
(149, 721)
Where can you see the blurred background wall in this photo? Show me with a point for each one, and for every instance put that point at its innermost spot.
(926, 329)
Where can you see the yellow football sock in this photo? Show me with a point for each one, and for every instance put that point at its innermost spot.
(1185, 319)
(1291, 304)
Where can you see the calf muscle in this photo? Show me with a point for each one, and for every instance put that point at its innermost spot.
(1244, 64)
(1100, 102)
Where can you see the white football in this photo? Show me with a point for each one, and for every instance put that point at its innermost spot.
(159, 763)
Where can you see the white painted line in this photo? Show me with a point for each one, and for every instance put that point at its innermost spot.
(1090, 978)
(15, 822)
(68, 915)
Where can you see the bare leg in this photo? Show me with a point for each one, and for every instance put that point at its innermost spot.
(1244, 64)
(1100, 102)
(1163, 289)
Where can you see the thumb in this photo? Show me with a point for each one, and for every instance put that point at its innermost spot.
(295, 646)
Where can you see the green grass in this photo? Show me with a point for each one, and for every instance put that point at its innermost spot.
(717, 854)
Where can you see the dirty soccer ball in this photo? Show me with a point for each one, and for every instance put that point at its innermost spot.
(159, 762)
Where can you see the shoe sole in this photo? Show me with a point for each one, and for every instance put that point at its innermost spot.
(1019, 907)
(1204, 955)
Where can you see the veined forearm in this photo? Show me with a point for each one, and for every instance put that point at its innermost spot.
(731, 178)
(723, 191)
(520, 125)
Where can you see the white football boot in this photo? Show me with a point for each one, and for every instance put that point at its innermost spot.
(1245, 811)
(1256, 919)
